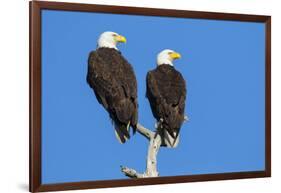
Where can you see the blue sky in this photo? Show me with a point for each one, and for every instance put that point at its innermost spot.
(222, 62)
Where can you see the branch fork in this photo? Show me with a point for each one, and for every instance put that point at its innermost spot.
(151, 162)
(155, 141)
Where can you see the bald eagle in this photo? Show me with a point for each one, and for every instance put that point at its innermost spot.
(114, 83)
(166, 92)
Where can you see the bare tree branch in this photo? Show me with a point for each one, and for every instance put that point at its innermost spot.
(131, 172)
(155, 141)
(145, 132)
(151, 162)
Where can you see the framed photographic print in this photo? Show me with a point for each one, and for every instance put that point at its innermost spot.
(125, 96)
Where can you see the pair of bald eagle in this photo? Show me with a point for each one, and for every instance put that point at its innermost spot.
(113, 81)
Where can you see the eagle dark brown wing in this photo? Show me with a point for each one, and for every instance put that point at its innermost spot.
(113, 80)
(166, 92)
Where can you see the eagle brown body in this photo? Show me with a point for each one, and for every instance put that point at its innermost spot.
(113, 80)
(166, 92)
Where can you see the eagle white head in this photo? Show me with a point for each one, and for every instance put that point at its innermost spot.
(110, 39)
(167, 57)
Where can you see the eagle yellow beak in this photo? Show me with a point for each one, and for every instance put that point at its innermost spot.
(120, 38)
(175, 55)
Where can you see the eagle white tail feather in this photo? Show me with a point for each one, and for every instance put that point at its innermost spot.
(119, 134)
(128, 126)
(170, 141)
